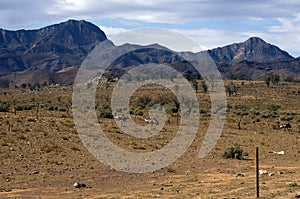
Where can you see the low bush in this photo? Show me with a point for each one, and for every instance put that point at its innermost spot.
(4, 107)
(24, 107)
(235, 153)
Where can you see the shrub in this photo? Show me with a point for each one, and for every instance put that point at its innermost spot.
(24, 107)
(243, 107)
(50, 148)
(292, 184)
(105, 113)
(75, 148)
(268, 114)
(21, 137)
(287, 118)
(204, 86)
(143, 101)
(235, 153)
(136, 111)
(52, 108)
(272, 107)
(170, 108)
(4, 107)
(255, 120)
(231, 89)
(254, 112)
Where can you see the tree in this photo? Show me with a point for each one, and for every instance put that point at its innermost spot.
(231, 89)
(267, 81)
(23, 85)
(204, 86)
(235, 76)
(44, 84)
(275, 78)
(143, 101)
(195, 84)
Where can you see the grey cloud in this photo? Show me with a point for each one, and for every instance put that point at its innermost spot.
(17, 13)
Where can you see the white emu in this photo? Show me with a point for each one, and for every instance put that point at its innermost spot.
(285, 126)
(121, 118)
(151, 121)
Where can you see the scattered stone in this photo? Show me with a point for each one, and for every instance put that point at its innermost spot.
(5, 190)
(168, 185)
(79, 185)
(35, 172)
(292, 184)
(297, 195)
(240, 175)
(280, 172)
(262, 172)
(271, 174)
(161, 188)
(279, 152)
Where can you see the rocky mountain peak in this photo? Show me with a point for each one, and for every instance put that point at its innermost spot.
(51, 48)
(253, 49)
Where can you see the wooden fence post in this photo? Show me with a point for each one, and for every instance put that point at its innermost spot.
(257, 173)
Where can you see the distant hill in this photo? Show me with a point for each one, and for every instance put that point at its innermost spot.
(253, 50)
(54, 54)
(46, 50)
(254, 59)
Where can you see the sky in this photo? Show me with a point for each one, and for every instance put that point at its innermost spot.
(211, 23)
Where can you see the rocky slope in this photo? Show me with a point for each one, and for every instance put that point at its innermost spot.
(47, 49)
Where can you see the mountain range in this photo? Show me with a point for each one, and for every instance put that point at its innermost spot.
(54, 53)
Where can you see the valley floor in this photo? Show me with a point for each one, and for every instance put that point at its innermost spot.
(42, 155)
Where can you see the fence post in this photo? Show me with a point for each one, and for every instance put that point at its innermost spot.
(257, 173)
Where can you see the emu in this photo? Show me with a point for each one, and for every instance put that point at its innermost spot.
(121, 118)
(285, 126)
(149, 121)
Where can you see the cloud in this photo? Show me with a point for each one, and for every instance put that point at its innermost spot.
(213, 38)
(156, 11)
(176, 11)
(16, 14)
(111, 31)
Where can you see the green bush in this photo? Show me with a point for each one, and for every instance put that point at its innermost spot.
(272, 107)
(235, 153)
(24, 107)
(269, 114)
(287, 118)
(52, 108)
(136, 111)
(105, 113)
(255, 120)
(4, 107)
(143, 101)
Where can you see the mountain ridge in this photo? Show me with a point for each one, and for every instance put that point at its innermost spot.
(51, 48)
(57, 47)
(253, 49)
